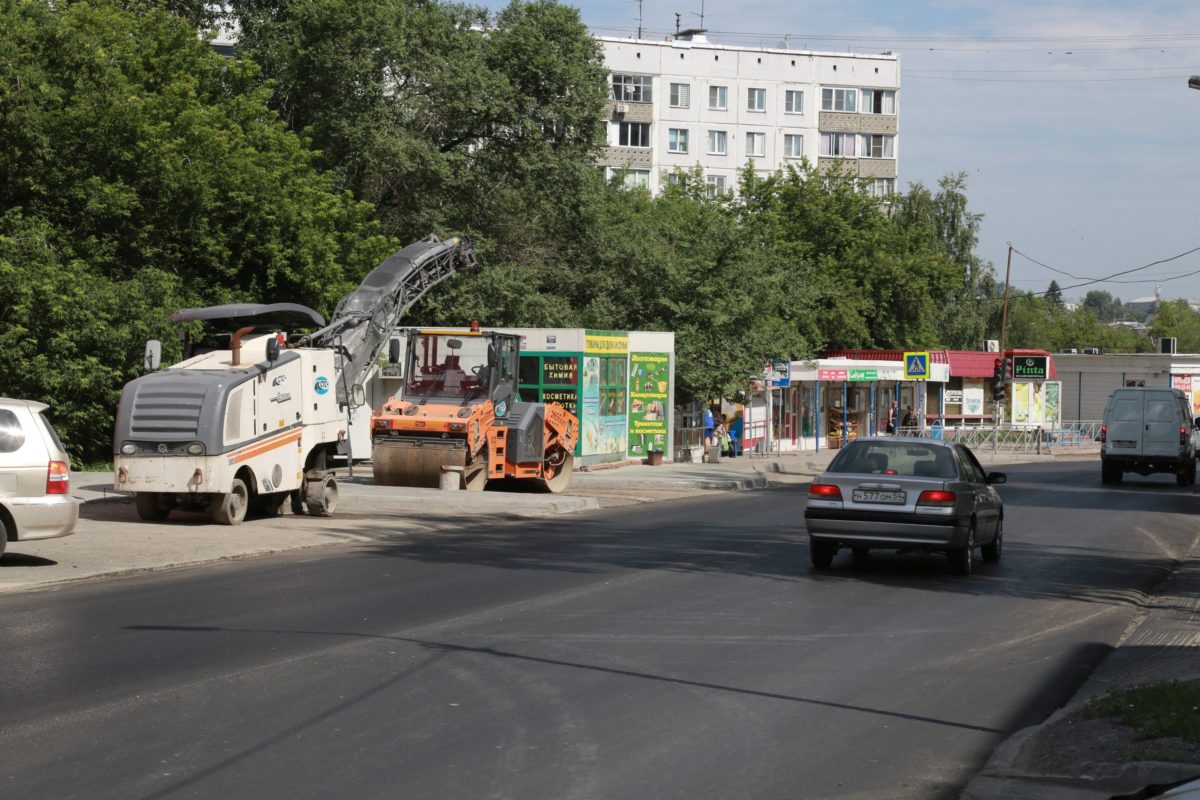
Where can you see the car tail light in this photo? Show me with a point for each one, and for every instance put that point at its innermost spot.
(58, 478)
(825, 491)
(1182, 435)
(936, 497)
(1103, 434)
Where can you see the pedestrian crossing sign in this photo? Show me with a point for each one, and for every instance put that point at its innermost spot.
(916, 366)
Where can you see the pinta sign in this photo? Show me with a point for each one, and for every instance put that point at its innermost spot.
(1030, 368)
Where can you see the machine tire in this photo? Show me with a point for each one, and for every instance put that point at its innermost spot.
(995, 548)
(151, 506)
(962, 560)
(321, 496)
(1110, 473)
(3, 536)
(296, 498)
(821, 553)
(230, 509)
(557, 477)
(1181, 476)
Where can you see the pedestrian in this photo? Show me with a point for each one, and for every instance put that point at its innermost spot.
(891, 419)
(709, 424)
(721, 436)
(735, 436)
(910, 418)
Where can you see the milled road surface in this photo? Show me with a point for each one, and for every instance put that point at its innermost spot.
(681, 649)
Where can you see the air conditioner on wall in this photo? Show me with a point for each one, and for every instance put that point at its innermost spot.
(622, 108)
(991, 346)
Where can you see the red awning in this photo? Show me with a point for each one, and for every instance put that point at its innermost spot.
(963, 363)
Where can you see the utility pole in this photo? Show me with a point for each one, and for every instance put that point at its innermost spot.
(1003, 327)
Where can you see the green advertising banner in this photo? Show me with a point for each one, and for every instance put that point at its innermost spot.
(649, 382)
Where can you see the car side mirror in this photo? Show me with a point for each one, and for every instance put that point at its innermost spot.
(394, 351)
(997, 477)
(272, 350)
(358, 395)
(152, 359)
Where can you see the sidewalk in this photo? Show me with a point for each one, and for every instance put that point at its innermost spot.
(1068, 757)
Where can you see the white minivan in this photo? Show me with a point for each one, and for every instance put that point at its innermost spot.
(35, 476)
(1149, 430)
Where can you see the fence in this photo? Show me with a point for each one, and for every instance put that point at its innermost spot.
(1060, 436)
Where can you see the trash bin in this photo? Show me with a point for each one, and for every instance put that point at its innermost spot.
(935, 430)
(713, 456)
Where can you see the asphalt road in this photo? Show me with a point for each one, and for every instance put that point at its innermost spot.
(680, 649)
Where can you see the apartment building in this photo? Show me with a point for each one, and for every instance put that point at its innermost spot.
(686, 101)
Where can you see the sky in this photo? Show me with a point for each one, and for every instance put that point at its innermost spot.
(1072, 121)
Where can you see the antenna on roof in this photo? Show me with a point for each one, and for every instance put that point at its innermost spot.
(639, 2)
(677, 15)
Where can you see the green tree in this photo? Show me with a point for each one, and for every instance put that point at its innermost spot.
(140, 173)
(1054, 293)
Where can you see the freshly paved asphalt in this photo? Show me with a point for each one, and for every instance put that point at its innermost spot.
(679, 649)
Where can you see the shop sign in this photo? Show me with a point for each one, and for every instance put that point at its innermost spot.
(605, 342)
(954, 396)
(831, 374)
(649, 382)
(863, 375)
(560, 371)
(1181, 382)
(1030, 368)
(567, 398)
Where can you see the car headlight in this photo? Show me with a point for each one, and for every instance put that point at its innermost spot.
(196, 449)
(129, 448)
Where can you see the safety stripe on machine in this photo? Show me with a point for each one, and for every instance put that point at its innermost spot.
(257, 449)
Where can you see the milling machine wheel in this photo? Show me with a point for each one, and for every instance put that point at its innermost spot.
(321, 496)
(556, 470)
(230, 509)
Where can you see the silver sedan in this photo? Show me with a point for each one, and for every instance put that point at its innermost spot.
(905, 493)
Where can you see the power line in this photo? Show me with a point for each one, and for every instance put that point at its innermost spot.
(912, 76)
(1107, 278)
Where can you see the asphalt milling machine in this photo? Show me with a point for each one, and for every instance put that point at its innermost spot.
(458, 422)
(257, 421)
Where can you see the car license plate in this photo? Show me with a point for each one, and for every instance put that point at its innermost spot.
(876, 496)
(1124, 443)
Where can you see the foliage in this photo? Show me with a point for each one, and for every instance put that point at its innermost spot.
(1036, 321)
(1154, 711)
(141, 173)
(1110, 309)
(1176, 318)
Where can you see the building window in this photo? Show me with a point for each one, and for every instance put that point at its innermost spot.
(677, 179)
(878, 145)
(681, 95)
(634, 134)
(677, 140)
(715, 184)
(636, 178)
(756, 99)
(793, 101)
(717, 98)
(716, 143)
(839, 99)
(882, 187)
(878, 101)
(793, 145)
(838, 144)
(632, 88)
(756, 144)
(613, 386)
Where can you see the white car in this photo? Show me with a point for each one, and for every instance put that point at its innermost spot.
(35, 476)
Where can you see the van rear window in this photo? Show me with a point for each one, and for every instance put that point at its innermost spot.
(1127, 410)
(1160, 410)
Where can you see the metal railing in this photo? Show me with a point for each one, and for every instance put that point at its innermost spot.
(1059, 436)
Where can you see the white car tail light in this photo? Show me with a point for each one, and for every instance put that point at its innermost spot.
(58, 478)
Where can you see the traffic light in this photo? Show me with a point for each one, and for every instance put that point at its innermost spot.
(1008, 368)
(999, 375)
